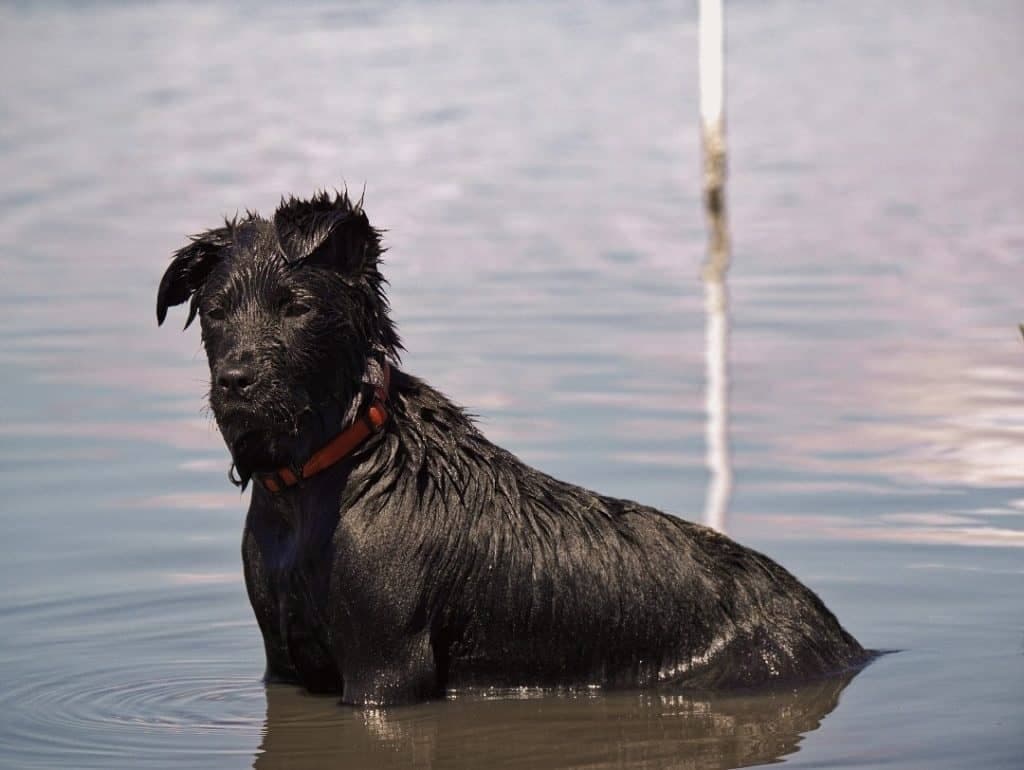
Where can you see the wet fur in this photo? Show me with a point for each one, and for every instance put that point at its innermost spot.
(431, 559)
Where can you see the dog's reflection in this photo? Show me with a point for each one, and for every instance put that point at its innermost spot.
(527, 729)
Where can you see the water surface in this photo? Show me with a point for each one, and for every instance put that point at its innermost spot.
(536, 167)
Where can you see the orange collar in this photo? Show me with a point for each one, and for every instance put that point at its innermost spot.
(341, 445)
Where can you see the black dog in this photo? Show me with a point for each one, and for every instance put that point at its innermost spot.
(392, 552)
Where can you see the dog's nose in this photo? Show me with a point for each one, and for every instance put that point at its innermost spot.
(235, 379)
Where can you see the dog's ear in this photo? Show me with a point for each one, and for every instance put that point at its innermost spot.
(189, 270)
(328, 232)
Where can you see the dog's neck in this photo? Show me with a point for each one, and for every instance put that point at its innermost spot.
(358, 425)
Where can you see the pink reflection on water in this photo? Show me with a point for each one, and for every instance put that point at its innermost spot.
(234, 501)
(809, 527)
(205, 578)
(183, 433)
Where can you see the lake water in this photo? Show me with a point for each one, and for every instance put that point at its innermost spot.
(536, 166)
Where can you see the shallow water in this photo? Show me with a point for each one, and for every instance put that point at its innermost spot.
(536, 167)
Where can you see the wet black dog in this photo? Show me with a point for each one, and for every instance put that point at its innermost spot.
(392, 552)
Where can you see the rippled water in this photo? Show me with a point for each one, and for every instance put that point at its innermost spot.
(536, 168)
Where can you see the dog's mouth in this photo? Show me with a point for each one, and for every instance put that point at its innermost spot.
(257, 445)
(258, 451)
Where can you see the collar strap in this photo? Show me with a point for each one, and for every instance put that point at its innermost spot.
(341, 445)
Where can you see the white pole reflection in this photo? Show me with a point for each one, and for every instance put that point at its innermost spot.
(716, 294)
(716, 401)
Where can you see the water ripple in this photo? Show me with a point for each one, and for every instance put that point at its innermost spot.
(139, 711)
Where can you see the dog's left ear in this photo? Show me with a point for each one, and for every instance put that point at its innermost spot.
(327, 232)
(188, 272)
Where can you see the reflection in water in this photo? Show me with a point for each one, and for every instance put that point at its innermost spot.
(716, 298)
(716, 352)
(649, 730)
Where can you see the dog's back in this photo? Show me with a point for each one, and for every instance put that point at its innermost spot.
(525, 580)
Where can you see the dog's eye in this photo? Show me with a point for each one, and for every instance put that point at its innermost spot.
(295, 309)
(215, 313)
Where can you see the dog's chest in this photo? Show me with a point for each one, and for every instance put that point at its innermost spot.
(303, 626)
(292, 605)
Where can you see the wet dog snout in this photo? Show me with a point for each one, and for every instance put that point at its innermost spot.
(236, 380)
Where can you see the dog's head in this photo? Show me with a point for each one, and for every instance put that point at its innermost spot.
(291, 312)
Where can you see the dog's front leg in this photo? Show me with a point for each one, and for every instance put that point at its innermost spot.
(380, 671)
(380, 616)
(265, 606)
